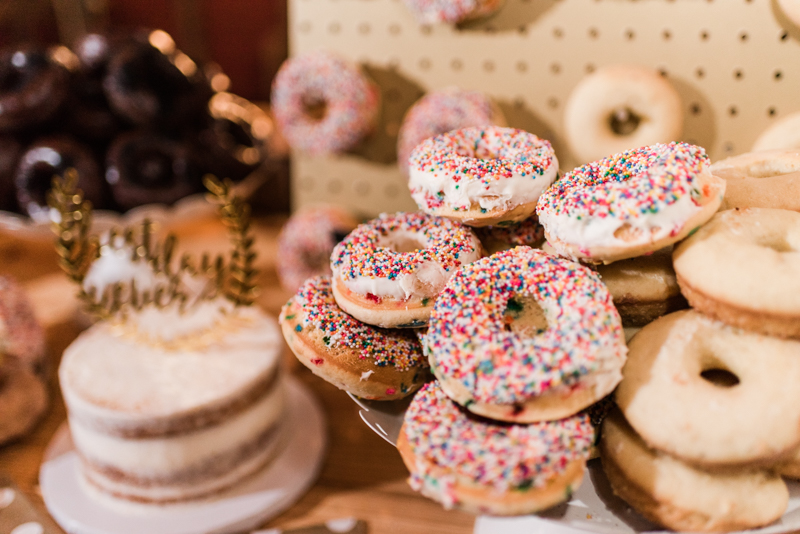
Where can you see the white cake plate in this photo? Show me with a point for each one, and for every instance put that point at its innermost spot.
(76, 507)
(593, 508)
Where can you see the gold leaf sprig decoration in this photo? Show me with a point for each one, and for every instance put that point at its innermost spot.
(74, 248)
(235, 214)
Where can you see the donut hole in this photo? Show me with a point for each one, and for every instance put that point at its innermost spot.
(154, 168)
(720, 377)
(314, 107)
(524, 316)
(404, 243)
(624, 121)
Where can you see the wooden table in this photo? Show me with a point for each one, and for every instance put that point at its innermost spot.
(362, 477)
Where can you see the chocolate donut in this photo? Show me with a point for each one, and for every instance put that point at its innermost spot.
(10, 151)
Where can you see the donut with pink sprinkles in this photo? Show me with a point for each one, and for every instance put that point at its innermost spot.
(323, 104)
(483, 466)
(481, 176)
(525, 336)
(388, 271)
(441, 111)
(451, 11)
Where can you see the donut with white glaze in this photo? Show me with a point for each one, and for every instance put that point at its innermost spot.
(630, 204)
(764, 179)
(618, 108)
(525, 336)
(482, 466)
(389, 271)
(481, 176)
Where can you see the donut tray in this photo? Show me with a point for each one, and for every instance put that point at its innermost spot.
(734, 64)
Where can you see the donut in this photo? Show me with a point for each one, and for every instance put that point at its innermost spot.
(684, 498)
(766, 179)
(52, 156)
(144, 167)
(32, 88)
(441, 111)
(21, 335)
(618, 108)
(23, 399)
(389, 271)
(481, 176)
(306, 242)
(743, 268)
(527, 233)
(783, 134)
(451, 11)
(372, 363)
(323, 104)
(482, 466)
(10, 152)
(630, 204)
(524, 336)
(710, 394)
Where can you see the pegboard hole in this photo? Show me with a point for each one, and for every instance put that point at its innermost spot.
(364, 28)
(699, 72)
(522, 66)
(743, 37)
(785, 36)
(738, 74)
(558, 33)
(589, 68)
(666, 35)
(594, 33)
(488, 65)
(334, 27)
(552, 102)
(424, 63)
(732, 111)
(662, 71)
(630, 34)
(772, 112)
(523, 30)
(778, 75)
(704, 35)
(728, 147)
(425, 29)
(394, 29)
(456, 64)
(695, 109)
(555, 68)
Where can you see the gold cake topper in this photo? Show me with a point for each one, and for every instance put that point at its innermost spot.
(77, 250)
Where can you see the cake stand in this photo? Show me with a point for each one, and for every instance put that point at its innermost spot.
(79, 509)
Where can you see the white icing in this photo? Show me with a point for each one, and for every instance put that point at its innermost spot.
(365, 375)
(116, 266)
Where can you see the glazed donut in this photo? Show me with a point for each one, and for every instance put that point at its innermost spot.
(481, 176)
(618, 108)
(441, 111)
(524, 336)
(783, 134)
(630, 204)
(372, 363)
(388, 271)
(23, 399)
(50, 157)
(306, 242)
(669, 397)
(684, 498)
(743, 268)
(323, 104)
(766, 179)
(527, 233)
(482, 466)
(451, 11)
(32, 88)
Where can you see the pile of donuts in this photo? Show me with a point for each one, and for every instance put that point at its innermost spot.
(138, 119)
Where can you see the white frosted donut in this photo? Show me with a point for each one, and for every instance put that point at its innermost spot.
(621, 107)
(785, 133)
(451, 11)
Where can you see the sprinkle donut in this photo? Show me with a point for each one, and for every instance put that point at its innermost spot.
(373, 363)
(630, 204)
(306, 242)
(323, 104)
(524, 336)
(451, 11)
(481, 176)
(440, 112)
(388, 271)
(481, 466)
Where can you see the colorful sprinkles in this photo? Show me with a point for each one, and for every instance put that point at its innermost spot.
(452, 11)
(501, 457)
(469, 343)
(349, 103)
(395, 347)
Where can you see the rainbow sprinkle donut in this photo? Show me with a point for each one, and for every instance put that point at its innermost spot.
(388, 271)
(524, 336)
(373, 363)
(486, 467)
(323, 104)
(440, 112)
(451, 11)
(630, 204)
(481, 176)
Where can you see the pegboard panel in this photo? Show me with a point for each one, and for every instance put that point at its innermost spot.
(735, 63)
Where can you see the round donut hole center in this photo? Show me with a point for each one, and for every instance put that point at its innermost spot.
(524, 316)
(404, 243)
(719, 377)
(314, 108)
(624, 121)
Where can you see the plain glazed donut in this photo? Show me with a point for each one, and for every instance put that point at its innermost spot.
(783, 134)
(482, 466)
(743, 268)
(766, 179)
(439, 112)
(684, 498)
(389, 271)
(618, 108)
(630, 204)
(373, 363)
(323, 104)
(451, 11)
(524, 336)
(481, 176)
(753, 419)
